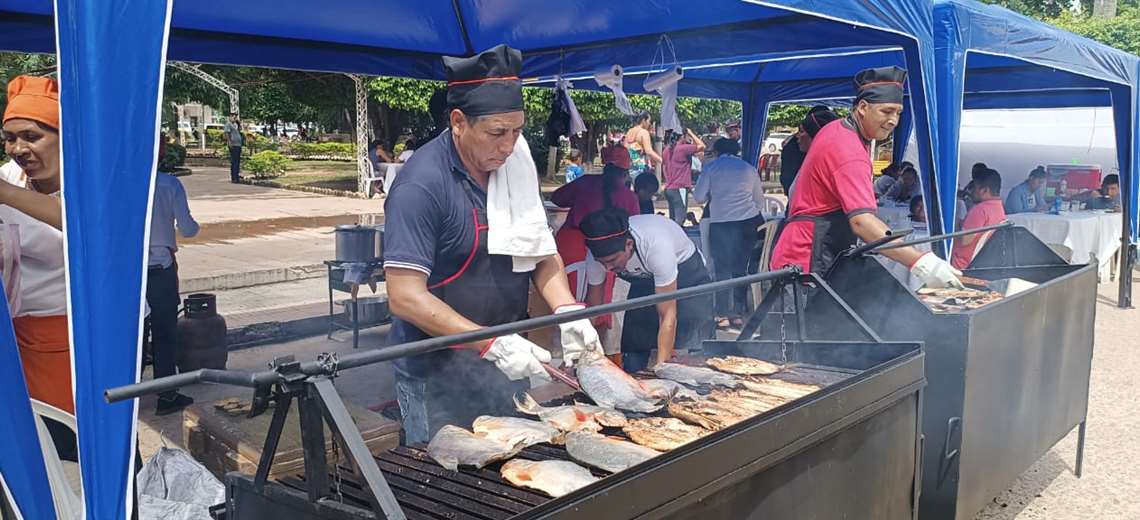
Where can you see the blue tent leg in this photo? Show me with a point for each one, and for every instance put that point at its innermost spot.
(111, 61)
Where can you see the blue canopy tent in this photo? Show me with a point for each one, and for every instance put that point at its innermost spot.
(111, 56)
(1010, 61)
(759, 81)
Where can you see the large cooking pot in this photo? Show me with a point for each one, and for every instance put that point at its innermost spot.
(357, 243)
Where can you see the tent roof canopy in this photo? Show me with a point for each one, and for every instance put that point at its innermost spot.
(997, 38)
(399, 38)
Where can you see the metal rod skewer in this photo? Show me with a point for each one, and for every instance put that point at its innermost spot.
(939, 238)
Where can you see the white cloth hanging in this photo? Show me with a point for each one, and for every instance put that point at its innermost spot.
(665, 84)
(515, 214)
(577, 126)
(611, 78)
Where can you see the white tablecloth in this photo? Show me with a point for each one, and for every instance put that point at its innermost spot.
(894, 216)
(1085, 232)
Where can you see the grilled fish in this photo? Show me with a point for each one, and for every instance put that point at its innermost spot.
(694, 375)
(778, 388)
(605, 453)
(611, 387)
(707, 413)
(663, 433)
(753, 402)
(571, 418)
(513, 430)
(666, 389)
(553, 477)
(743, 366)
(453, 446)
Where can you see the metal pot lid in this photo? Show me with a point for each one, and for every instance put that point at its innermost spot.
(354, 228)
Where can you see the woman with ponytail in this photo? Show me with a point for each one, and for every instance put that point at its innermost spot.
(587, 194)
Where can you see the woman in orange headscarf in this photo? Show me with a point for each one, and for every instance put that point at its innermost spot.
(30, 198)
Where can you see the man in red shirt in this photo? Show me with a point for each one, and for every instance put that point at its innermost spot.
(833, 203)
(988, 210)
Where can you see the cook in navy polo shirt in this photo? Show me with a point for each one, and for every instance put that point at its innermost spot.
(428, 225)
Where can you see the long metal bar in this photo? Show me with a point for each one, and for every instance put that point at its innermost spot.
(370, 357)
(1079, 469)
(340, 421)
(940, 238)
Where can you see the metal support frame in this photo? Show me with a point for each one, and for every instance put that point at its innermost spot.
(319, 404)
(363, 133)
(310, 385)
(215, 82)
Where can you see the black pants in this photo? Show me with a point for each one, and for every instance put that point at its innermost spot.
(732, 244)
(235, 163)
(162, 296)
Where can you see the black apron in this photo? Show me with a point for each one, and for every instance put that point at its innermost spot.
(831, 236)
(459, 385)
(694, 315)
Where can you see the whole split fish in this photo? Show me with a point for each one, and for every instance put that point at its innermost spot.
(666, 389)
(606, 453)
(743, 366)
(611, 387)
(453, 446)
(694, 375)
(778, 388)
(513, 430)
(708, 413)
(571, 418)
(663, 433)
(553, 477)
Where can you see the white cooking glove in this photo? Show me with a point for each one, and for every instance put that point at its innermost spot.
(578, 336)
(936, 273)
(517, 358)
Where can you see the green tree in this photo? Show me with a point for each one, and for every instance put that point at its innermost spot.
(1121, 31)
(1035, 8)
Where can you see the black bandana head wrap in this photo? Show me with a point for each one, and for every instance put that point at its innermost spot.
(606, 231)
(486, 83)
(881, 85)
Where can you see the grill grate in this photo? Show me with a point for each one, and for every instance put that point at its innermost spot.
(427, 491)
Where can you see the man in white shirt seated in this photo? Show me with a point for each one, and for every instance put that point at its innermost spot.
(170, 208)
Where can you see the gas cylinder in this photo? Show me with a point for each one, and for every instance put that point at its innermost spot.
(201, 334)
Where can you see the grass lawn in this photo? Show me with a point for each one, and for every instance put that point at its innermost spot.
(337, 175)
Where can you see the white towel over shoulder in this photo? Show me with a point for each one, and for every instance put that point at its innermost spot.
(515, 214)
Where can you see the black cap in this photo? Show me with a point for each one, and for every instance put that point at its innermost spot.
(880, 85)
(486, 83)
(815, 120)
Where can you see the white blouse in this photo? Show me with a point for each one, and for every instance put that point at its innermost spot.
(43, 286)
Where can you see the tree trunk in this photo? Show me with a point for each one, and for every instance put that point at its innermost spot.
(1104, 8)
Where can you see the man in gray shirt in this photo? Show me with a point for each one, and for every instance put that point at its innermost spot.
(234, 139)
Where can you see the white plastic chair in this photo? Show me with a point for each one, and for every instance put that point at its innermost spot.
(768, 231)
(774, 206)
(66, 486)
(374, 176)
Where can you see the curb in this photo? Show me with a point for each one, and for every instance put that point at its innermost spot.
(306, 189)
(252, 278)
(256, 334)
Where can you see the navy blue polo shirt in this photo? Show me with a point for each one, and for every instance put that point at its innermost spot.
(428, 225)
